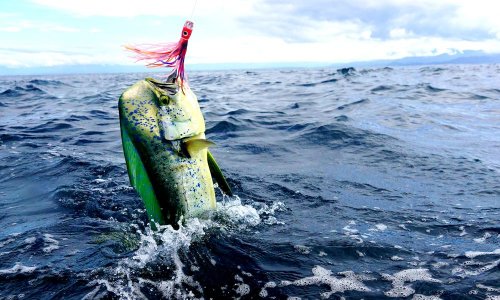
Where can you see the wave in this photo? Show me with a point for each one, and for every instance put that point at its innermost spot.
(226, 126)
(337, 136)
(9, 137)
(49, 126)
(381, 88)
(349, 105)
(319, 83)
(379, 179)
(22, 90)
(349, 71)
(431, 88)
(47, 82)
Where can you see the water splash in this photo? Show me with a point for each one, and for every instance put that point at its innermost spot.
(161, 253)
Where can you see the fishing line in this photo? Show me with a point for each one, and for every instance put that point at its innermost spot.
(194, 8)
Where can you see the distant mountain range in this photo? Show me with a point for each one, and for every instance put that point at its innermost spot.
(465, 57)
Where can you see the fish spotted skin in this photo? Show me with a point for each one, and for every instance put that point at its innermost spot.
(159, 122)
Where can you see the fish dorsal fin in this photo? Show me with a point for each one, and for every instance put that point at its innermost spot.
(196, 145)
(217, 175)
(139, 178)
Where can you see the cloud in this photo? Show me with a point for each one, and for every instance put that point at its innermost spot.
(20, 25)
(342, 49)
(11, 29)
(247, 31)
(160, 8)
(400, 33)
(383, 19)
(301, 29)
(21, 58)
(112, 7)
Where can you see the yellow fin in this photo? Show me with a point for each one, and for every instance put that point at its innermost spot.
(196, 145)
(217, 174)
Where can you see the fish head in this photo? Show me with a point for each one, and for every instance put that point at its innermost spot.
(179, 113)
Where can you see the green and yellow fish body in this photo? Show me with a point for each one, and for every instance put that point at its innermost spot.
(168, 162)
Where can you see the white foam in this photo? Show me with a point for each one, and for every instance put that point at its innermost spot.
(263, 292)
(272, 220)
(483, 239)
(50, 243)
(6, 242)
(356, 238)
(424, 297)
(233, 210)
(302, 249)
(18, 268)
(30, 240)
(165, 243)
(469, 268)
(348, 229)
(462, 231)
(242, 289)
(349, 282)
(244, 214)
(381, 227)
(488, 288)
(473, 254)
(272, 209)
(267, 213)
(399, 289)
(248, 274)
(440, 264)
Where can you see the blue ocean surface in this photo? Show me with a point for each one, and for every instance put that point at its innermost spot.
(350, 183)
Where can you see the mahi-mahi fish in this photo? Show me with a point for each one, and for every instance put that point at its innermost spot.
(167, 156)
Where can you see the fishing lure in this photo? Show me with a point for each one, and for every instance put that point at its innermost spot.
(170, 55)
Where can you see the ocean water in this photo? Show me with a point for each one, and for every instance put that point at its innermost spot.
(366, 183)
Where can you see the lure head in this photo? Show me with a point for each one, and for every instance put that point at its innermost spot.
(186, 30)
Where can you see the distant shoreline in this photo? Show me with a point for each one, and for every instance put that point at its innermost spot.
(466, 57)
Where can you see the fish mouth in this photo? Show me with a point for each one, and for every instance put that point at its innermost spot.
(172, 78)
(169, 88)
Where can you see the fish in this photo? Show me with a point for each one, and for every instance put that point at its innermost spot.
(166, 151)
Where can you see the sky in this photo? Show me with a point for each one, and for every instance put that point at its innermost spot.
(44, 33)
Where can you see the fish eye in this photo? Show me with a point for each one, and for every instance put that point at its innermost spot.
(164, 100)
(184, 33)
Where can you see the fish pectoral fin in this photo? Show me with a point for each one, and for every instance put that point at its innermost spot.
(196, 145)
(139, 178)
(217, 175)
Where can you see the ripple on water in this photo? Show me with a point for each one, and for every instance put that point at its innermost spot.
(355, 183)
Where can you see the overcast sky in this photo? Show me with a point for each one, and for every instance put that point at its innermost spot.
(57, 32)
